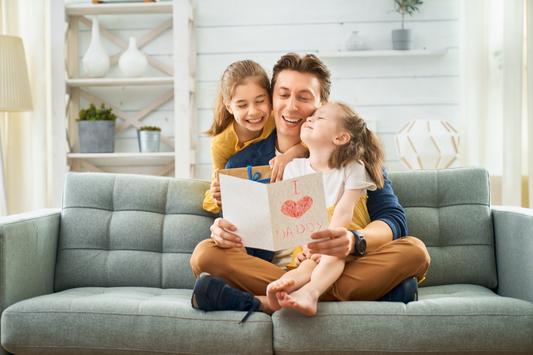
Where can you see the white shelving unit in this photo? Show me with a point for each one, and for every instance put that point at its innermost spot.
(383, 53)
(68, 87)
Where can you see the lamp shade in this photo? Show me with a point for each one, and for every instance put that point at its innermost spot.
(425, 144)
(15, 93)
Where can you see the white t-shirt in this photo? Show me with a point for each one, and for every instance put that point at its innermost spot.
(350, 177)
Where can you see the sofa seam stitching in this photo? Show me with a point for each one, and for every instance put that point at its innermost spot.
(128, 210)
(261, 321)
(438, 221)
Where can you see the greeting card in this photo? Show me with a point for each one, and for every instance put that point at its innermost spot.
(275, 216)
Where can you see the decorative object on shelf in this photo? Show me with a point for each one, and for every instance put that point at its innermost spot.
(133, 62)
(15, 91)
(426, 144)
(96, 60)
(354, 43)
(96, 130)
(118, 1)
(403, 39)
(149, 138)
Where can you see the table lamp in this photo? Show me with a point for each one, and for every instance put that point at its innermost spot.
(427, 144)
(15, 92)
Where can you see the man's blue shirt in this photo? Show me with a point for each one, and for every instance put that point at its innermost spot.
(382, 204)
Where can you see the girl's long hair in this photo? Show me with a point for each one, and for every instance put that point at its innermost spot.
(363, 146)
(235, 74)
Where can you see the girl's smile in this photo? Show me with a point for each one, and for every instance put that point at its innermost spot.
(250, 106)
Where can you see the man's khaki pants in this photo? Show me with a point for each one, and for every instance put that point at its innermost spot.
(365, 279)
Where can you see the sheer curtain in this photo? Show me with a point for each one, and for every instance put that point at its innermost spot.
(25, 135)
(494, 112)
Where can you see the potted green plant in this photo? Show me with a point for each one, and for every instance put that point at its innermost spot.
(149, 138)
(96, 129)
(403, 39)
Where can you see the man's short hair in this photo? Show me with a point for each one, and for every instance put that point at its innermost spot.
(306, 64)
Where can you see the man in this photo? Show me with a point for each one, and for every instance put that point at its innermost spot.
(388, 266)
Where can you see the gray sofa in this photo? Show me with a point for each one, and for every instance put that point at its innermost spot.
(110, 274)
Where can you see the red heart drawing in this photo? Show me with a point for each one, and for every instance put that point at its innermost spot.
(297, 209)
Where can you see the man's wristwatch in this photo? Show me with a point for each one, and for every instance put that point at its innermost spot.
(360, 243)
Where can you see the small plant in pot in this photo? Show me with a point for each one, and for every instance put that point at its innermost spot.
(149, 139)
(96, 129)
(403, 39)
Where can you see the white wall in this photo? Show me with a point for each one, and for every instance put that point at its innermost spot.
(389, 90)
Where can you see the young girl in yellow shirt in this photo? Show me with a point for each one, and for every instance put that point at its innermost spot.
(242, 117)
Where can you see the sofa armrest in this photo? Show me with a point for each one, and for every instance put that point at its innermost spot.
(513, 234)
(28, 249)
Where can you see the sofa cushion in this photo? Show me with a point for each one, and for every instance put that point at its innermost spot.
(129, 320)
(449, 210)
(129, 230)
(447, 319)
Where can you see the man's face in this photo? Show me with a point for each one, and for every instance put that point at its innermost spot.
(295, 97)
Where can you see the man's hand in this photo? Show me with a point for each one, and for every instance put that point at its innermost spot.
(304, 255)
(341, 243)
(222, 238)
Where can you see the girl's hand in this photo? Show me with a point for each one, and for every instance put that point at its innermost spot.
(215, 189)
(304, 255)
(277, 165)
(215, 192)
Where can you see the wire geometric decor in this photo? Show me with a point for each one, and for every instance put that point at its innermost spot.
(426, 144)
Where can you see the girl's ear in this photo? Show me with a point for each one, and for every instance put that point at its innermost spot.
(228, 107)
(342, 139)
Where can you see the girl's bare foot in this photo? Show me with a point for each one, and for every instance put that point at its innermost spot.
(302, 300)
(278, 286)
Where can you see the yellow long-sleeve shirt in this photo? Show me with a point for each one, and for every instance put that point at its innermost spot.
(223, 147)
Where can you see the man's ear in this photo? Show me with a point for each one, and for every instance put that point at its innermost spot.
(342, 139)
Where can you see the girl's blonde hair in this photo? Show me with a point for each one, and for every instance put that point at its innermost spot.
(363, 146)
(235, 74)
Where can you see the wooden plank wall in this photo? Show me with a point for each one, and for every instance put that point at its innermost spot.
(387, 90)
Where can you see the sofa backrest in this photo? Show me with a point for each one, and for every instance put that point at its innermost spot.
(449, 210)
(129, 230)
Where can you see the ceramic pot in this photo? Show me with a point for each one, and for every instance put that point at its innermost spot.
(149, 141)
(402, 39)
(354, 43)
(97, 136)
(96, 60)
(133, 62)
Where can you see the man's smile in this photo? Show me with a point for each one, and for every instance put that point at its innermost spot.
(292, 120)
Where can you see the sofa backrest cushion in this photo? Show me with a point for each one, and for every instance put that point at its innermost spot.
(449, 210)
(129, 230)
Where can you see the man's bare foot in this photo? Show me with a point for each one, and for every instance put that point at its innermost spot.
(302, 300)
(278, 286)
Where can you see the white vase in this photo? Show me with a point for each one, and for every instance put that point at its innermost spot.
(133, 62)
(354, 43)
(96, 60)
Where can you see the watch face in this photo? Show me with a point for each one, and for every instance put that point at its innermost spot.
(362, 246)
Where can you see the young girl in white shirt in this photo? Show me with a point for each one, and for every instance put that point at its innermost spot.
(351, 159)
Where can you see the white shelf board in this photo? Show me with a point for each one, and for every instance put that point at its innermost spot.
(120, 81)
(121, 155)
(382, 53)
(119, 8)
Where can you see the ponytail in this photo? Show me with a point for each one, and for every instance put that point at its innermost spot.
(363, 146)
(222, 117)
(235, 74)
